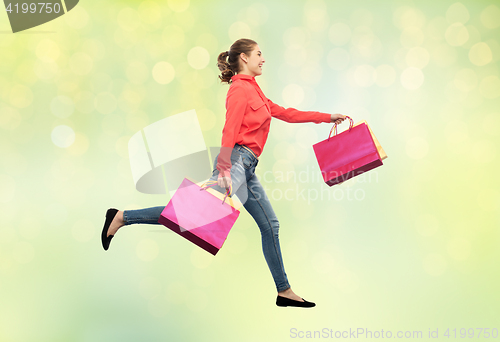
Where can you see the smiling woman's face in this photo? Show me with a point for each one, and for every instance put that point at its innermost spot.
(253, 63)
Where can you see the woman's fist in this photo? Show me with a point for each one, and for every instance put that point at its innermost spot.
(337, 118)
(224, 182)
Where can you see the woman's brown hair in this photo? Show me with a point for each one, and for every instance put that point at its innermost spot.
(230, 66)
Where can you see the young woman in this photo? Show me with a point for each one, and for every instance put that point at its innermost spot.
(244, 135)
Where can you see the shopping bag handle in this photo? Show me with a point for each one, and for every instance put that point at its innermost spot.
(334, 128)
(204, 187)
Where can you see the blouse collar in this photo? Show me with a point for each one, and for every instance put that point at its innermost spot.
(242, 76)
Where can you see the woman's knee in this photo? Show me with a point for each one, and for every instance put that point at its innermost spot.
(270, 226)
(275, 224)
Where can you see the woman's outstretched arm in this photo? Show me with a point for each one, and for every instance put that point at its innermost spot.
(295, 116)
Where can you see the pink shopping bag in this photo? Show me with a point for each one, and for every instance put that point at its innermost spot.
(199, 216)
(347, 154)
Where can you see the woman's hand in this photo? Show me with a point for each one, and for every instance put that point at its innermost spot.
(337, 118)
(224, 182)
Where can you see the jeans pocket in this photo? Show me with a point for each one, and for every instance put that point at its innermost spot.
(247, 162)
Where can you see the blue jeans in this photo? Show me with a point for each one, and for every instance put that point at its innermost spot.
(250, 192)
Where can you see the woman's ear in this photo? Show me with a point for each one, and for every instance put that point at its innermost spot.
(244, 57)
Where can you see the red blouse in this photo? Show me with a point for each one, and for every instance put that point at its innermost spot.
(248, 117)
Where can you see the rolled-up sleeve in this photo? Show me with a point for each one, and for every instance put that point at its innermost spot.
(293, 115)
(236, 103)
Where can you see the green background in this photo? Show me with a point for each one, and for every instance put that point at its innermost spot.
(412, 245)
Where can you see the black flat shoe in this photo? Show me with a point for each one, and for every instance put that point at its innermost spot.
(283, 301)
(105, 239)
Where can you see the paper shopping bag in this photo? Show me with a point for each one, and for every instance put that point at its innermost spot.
(347, 154)
(199, 216)
(380, 150)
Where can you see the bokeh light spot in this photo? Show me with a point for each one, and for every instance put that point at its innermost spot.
(490, 17)
(63, 136)
(10, 118)
(21, 96)
(47, 50)
(364, 75)
(293, 95)
(480, 54)
(46, 70)
(149, 12)
(173, 36)
(128, 19)
(295, 37)
(137, 72)
(77, 18)
(163, 72)
(311, 73)
(456, 34)
(84, 102)
(417, 57)
(457, 13)
(80, 146)
(412, 36)
(316, 15)
(405, 16)
(295, 56)
(105, 103)
(444, 55)
(198, 57)
(206, 118)
(412, 78)
(239, 29)
(339, 34)
(436, 28)
(178, 5)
